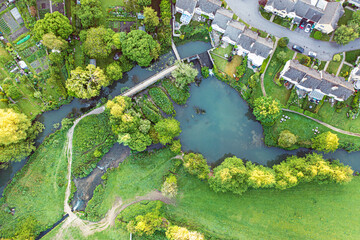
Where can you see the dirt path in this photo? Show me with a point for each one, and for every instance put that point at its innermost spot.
(88, 228)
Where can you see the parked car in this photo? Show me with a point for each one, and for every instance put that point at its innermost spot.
(308, 28)
(312, 54)
(302, 25)
(298, 48)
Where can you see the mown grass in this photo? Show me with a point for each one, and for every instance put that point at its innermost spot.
(272, 89)
(93, 133)
(334, 66)
(351, 56)
(308, 211)
(346, 17)
(230, 68)
(138, 175)
(38, 189)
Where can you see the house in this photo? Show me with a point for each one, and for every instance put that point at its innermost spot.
(320, 14)
(355, 78)
(222, 18)
(208, 8)
(316, 84)
(355, 2)
(256, 48)
(233, 31)
(187, 9)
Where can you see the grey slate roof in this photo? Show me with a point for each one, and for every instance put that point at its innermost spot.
(333, 13)
(323, 81)
(250, 41)
(287, 5)
(234, 29)
(209, 6)
(222, 17)
(186, 5)
(246, 42)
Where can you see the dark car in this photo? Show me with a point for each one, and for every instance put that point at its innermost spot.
(298, 48)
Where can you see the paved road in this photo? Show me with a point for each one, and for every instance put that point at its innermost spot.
(248, 11)
(325, 124)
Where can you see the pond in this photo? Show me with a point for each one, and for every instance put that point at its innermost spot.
(229, 127)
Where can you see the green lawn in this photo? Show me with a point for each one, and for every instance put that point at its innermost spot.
(222, 51)
(38, 190)
(345, 71)
(308, 211)
(272, 89)
(265, 14)
(261, 33)
(138, 175)
(93, 133)
(346, 17)
(322, 65)
(111, 3)
(230, 68)
(334, 66)
(219, 62)
(351, 56)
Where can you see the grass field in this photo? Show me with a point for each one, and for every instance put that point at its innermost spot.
(351, 56)
(230, 68)
(139, 174)
(272, 89)
(334, 66)
(38, 190)
(308, 211)
(111, 3)
(92, 134)
(346, 17)
(345, 71)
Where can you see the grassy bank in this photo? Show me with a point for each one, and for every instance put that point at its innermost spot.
(37, 191)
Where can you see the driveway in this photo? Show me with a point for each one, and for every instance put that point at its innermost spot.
(248, 11)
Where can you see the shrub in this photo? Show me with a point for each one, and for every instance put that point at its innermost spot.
(161, 100)
(336, 58)
(205, 72)
(169, 187)
(283, 42)
(286, 139)
(196, 164)
(150, 111)
(179, 95)
(318, 35)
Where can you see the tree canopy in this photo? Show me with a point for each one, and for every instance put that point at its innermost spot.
(167, 129)
(114, 71)
(196, 164)
(345, 34)
(326, 142)
(50, 40)
(118, 39)
(180, 233)
(55, 23)
(184, 74)
(151, 19)
(286, 139)
(267, 109)
(140, 47)
(99, 42)
(13, 126)
(86, 83)
(89, 12)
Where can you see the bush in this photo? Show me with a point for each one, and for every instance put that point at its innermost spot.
(180, 96)
(336, 58)
(161, 100)
(283, 42)
(205, 72)
(318, 35)
(196, 164)
(150, 111)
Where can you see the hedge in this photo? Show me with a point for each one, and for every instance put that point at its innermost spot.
(296, 109)
(150, 111)
(161, 100)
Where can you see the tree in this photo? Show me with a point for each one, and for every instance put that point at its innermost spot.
(326, 142)
(99, 42)
(53, 42)
(184, 74)
(86, 83)
(267, 110)
(140, 47)
(55, 23)
(283, 42)
(169, 187)
(253, 80)
(146, 224)
(167, 129)
(205, 72)
(118, 105)
(241, 69)
(89, 12)
(144, 3)
(345, 34)
(151, 19)
(132, 6)
(56, 57)
(286, 139)
(13, 126)
(181, 233)
(118, 39)
(260, 176)
(176, 147)
(230, 176)
(282, 57)
(355, 19)
(196, 164)
(113, 71)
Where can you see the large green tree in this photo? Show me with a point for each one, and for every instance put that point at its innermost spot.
(51, 41)
(326, 142)
(151, 19)
(184, 74)
(167, 129)
(345, 34)
(118, 39)
(86, 83)
(55, 23)
(89, 13)
(196, 164)
(114, 71)
(99, 42)
(286, 139)
(17, 136)
(140, 47)
(267, 110)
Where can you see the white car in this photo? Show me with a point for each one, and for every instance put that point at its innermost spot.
(312, 54)
(307, 28)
